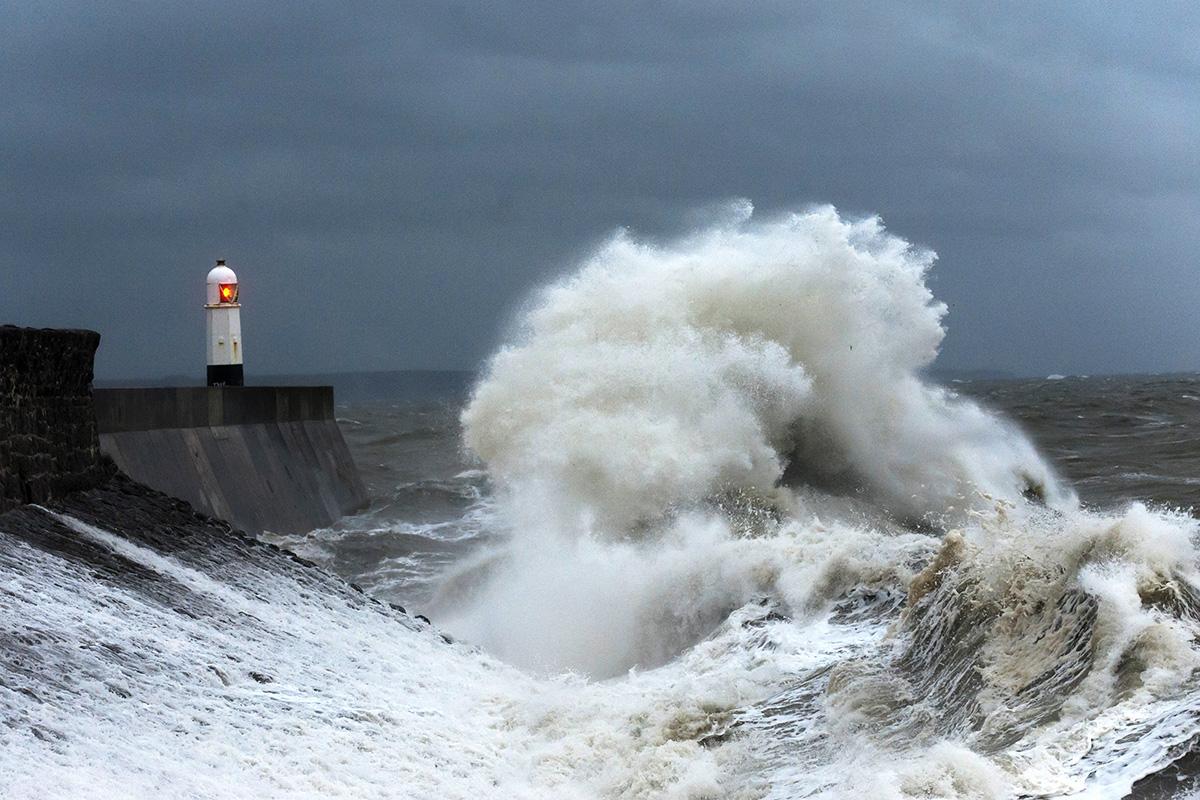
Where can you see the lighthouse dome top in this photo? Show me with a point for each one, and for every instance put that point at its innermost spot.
(221, 274)
(222, 286)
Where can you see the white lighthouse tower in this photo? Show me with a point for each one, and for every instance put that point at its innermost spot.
(224, 315)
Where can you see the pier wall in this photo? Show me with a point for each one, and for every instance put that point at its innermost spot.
(261, 458)
(48, 442)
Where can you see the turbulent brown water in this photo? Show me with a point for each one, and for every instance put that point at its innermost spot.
(1116, 439)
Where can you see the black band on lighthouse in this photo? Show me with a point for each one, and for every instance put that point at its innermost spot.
(225, 375)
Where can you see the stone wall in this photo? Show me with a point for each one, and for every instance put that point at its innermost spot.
(48, 441)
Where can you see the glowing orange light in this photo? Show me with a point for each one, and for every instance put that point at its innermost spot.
(229, 292)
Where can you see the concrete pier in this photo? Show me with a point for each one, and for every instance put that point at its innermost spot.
(261, 458)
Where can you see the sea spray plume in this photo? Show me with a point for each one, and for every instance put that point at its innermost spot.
(659, 375)
(657, 395)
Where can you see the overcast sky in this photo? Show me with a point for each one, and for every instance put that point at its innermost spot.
(391, 179)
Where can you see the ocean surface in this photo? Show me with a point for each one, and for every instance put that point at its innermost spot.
(702, 528)
(1118, 440)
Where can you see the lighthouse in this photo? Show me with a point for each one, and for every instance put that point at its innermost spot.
(224, 323)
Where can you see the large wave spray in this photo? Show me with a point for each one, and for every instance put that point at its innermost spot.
(719, 452)
(658, 375)
(659, 398)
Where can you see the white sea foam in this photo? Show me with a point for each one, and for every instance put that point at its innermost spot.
(356, 703)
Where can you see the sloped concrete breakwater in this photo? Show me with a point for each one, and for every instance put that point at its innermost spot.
(156, 525)
(150, 651)
(263, 458)
(147, 651)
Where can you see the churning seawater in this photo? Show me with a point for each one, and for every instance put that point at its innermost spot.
(709, 479)
(704, 529)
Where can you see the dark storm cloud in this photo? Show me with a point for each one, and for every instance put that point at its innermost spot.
(391, 178)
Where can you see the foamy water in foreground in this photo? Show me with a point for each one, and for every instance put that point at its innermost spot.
(724, 542)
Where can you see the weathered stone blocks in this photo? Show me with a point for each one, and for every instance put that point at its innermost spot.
(48, 441)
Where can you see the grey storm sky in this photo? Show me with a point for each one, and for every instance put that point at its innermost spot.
(391, 179)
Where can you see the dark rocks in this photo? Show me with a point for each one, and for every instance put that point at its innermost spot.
(1180, 778)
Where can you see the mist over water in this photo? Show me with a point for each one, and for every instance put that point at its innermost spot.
(701, 530)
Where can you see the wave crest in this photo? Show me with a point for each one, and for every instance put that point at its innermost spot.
(658, 375)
